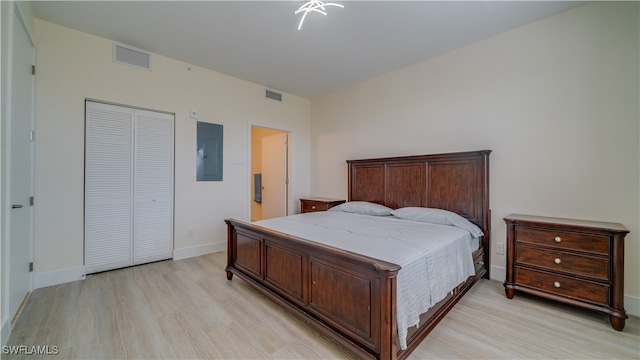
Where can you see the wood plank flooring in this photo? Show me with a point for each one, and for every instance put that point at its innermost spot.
(187, 309)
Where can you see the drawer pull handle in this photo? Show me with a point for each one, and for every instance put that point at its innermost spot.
(556, 284)
(557, 260)
(313, 207)
(558, 239)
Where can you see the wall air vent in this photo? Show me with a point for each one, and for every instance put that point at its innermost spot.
(127, 55)
(273, 95)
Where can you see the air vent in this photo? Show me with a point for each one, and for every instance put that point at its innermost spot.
(127, 55)
(273, 95)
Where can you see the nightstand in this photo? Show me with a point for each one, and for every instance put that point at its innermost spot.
(576, 262)
(318, 204)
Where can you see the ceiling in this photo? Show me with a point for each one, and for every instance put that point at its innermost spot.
(258, 41)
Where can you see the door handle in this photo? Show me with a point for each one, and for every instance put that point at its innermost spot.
(16, 206)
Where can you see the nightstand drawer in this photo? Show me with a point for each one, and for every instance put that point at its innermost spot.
(566, 240)
(562, 261)
(318, 204)
(563, 285)
(309, 206)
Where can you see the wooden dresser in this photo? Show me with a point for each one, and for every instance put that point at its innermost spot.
(576, 262)
(318, 204)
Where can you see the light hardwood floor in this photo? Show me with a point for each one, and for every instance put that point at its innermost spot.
(188, 309)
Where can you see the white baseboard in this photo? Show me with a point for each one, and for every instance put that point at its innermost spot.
(498, 273)
(5, 331)
(51, 278)
(184, 253)
(631, 303)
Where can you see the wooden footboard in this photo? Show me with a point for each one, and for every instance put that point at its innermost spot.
(348, 297)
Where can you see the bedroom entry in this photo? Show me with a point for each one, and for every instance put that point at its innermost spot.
(269, 173)
(128, 214)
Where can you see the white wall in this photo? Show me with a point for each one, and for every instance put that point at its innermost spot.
(556, 100)
(72, 66)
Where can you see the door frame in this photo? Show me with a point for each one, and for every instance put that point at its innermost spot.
(15, 12)
(290, 170)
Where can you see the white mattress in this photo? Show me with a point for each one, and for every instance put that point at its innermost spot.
(434, 258)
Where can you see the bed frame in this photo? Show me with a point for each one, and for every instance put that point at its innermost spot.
(351, 298)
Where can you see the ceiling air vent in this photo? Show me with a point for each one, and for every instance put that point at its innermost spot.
(273, 95)
(127, 55)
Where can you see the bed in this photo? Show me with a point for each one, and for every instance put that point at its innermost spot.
(351, 297)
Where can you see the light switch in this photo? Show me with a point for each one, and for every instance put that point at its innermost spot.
(193, 113)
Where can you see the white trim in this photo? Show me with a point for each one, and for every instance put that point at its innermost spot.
(5, 176)
(33, 160)
(498, 273)
(78, 273)
(185, 253)
(632, 305)
(23, 19)
(58, 277)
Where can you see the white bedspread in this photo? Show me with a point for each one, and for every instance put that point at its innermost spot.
(434, 258)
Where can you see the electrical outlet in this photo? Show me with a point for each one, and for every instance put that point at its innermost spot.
(189, 233)
(500, 248)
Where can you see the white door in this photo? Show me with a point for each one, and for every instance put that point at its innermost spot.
(153, 187)
(108, 205)
(128, 186)
(21, 118)
(274, 175)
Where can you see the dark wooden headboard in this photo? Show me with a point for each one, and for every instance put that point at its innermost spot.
(458, 182)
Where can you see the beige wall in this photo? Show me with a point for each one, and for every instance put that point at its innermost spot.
(557, 101)
(72, 66)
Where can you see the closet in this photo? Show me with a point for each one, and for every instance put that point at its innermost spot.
(128, 194)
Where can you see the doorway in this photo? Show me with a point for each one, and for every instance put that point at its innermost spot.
(269, 173)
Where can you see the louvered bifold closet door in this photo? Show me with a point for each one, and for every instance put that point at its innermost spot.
(153, 187)
(128, 186)
(108, 187)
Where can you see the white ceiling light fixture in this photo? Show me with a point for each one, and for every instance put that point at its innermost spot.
(314, 5)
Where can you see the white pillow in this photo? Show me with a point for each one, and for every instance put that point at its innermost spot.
(437, 216)
(363, 207)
